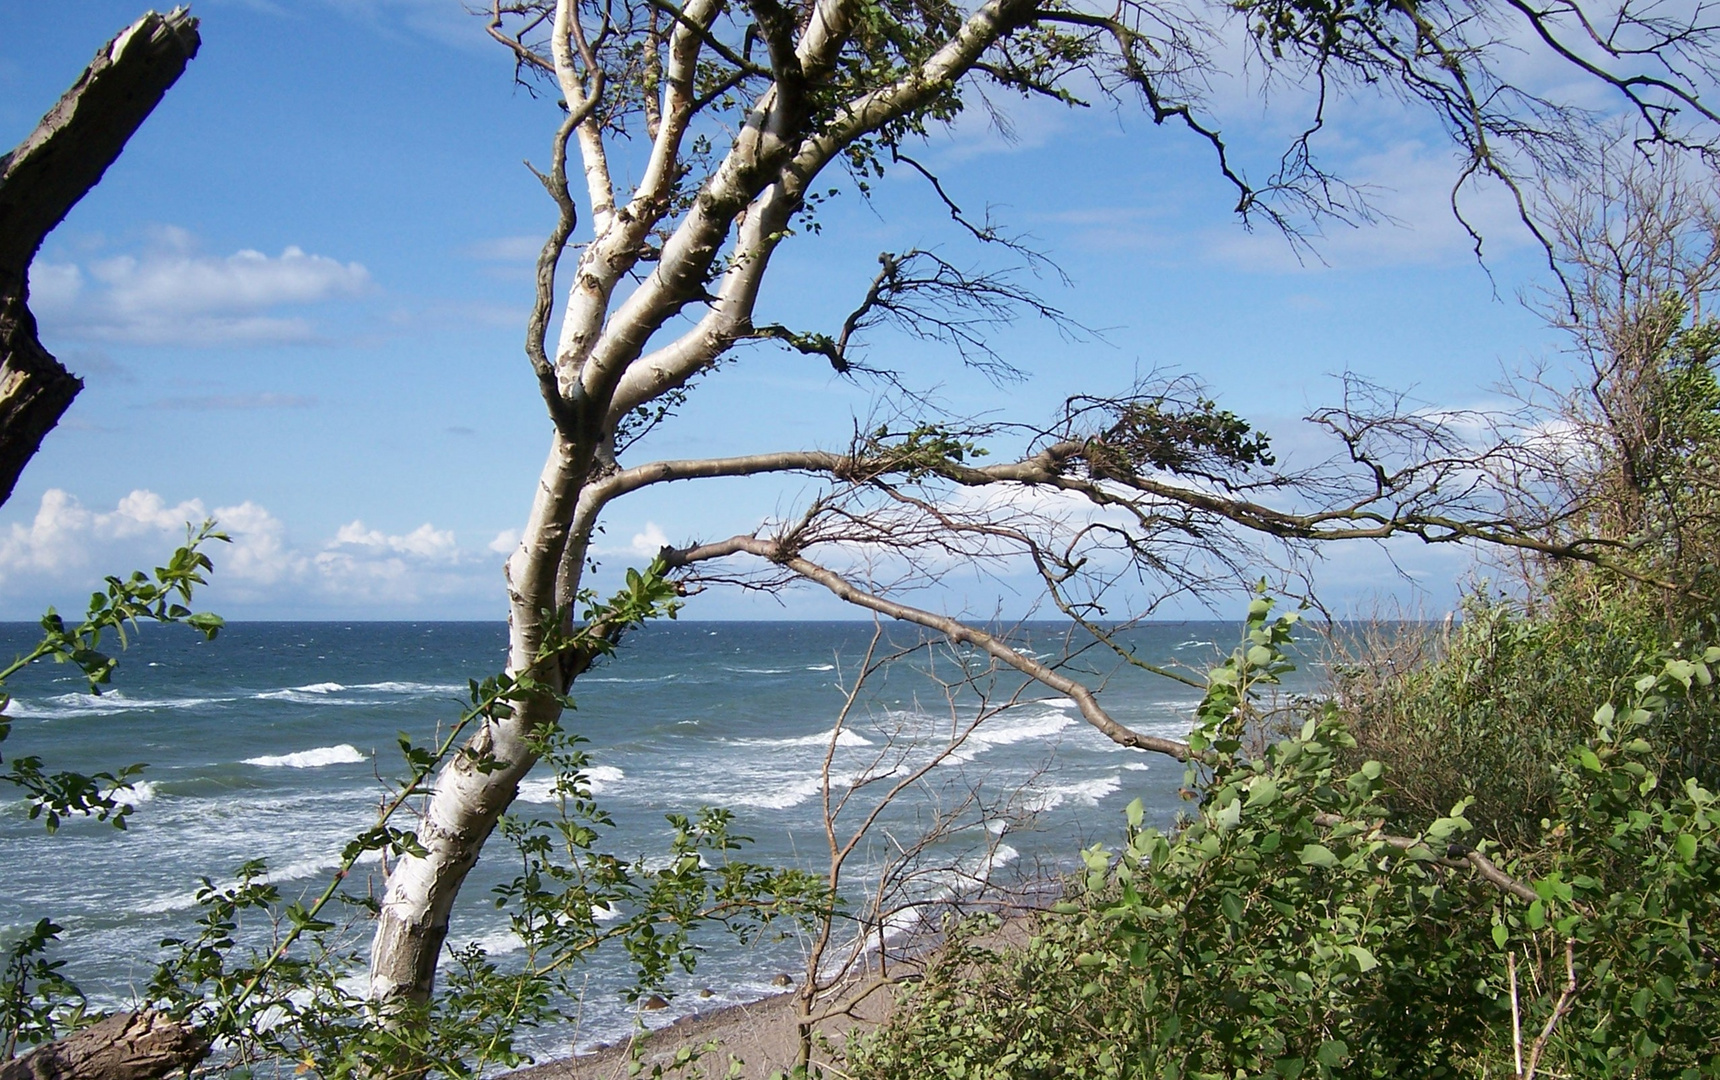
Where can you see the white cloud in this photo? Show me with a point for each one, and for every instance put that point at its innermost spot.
(426, 541)
(66, 547)
(505, 542)
(648, 543)
(259, 554)
(444, 23)
(644, 544)
(1008, 125)
(170, 293)
(63, 534)
(1410, 185)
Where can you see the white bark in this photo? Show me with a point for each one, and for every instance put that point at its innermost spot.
(600, 376)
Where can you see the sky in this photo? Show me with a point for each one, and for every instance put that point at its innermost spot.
(298, 301)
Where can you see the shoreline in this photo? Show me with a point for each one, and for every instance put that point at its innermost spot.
(760, 1033)
(763, 1035)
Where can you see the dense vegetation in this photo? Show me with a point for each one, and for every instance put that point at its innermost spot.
(1493, 851)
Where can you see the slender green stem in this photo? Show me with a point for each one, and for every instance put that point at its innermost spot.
(387, 812)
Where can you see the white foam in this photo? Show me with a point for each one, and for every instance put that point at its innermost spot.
(419, 688)
(293, 871)
(171, 902)
(1085, 792)
(141, 791)
(1136, 766)
(344, 754)
(320, 688)
(821, 667)
(499, 943)
(845, 737)
(303, 868)
(673, 675)
(300, 696)
(780, 798)
(111, 703)
(541, 789)
(1003, 732)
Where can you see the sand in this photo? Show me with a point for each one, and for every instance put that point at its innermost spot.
(762, 1036)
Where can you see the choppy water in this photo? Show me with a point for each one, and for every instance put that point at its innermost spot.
(267, 742)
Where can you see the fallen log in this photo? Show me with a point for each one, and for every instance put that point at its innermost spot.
(126, 1046)
(40, 181)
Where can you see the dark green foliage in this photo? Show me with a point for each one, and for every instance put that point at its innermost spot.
(1283, 932)
(1193, 438)
(1488, 710)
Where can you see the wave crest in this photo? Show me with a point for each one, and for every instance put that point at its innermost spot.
(343, 754)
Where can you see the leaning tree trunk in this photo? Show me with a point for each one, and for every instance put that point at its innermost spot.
(125, 1046)
(40, 181)
(468, 799)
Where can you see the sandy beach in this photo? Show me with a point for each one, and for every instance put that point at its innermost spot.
(763, 1036)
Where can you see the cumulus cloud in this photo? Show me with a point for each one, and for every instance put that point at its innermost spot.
(63, 533)
(649, 542)
(426, 541)
(171, 293)
(66, 546)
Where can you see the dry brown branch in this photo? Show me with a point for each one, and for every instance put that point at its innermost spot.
(1566, 996)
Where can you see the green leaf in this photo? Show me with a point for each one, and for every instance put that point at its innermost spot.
(1232, 905)
(1332, 1053)
(1316, 855)
(1263, 792)
(1537, 916)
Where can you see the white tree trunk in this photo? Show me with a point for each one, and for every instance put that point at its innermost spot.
(466, 801)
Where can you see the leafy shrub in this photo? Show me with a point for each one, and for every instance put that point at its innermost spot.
(1283, 931)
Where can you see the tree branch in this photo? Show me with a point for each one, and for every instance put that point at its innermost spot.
(40, 181)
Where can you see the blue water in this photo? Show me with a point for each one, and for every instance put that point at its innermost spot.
(267, 743)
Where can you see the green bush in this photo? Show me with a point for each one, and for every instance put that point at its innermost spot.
(1284, 931)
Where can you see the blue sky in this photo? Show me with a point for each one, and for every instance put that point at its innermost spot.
(298, 300)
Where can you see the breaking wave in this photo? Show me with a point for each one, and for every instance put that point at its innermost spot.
(344, 754)
(541, 789)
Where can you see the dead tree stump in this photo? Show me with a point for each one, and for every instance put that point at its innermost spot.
(125, 1046)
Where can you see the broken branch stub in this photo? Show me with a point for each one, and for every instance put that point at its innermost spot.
(40, 181)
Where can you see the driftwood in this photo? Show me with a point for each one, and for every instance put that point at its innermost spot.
(125, 1046)
(40, 181)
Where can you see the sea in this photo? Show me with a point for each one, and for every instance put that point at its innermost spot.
(270, 743)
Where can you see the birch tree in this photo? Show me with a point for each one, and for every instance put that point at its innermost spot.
(735, 115)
